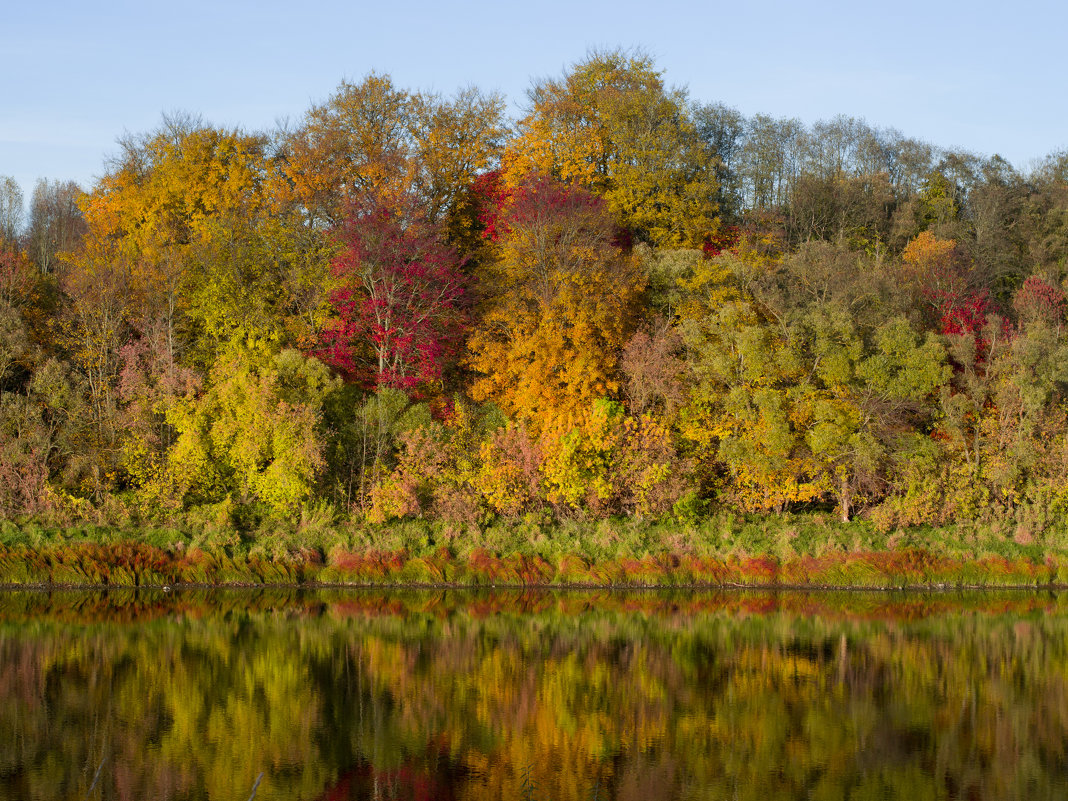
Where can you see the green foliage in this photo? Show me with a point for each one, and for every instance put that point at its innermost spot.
(253, 436)
(364, 433)
(255, 281)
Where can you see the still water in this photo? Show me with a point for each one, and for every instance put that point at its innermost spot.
(449, 695)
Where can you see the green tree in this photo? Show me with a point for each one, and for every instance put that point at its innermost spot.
(255, 435)
(866, 393)
(722, 128)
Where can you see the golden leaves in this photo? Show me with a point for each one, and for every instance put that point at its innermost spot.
(559, 306)
(611, 127)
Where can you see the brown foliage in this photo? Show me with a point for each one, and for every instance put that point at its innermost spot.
(654, 370)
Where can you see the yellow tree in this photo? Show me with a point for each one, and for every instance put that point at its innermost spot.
(374, 137)
(737, 423)
(182, 248)
(749, 410)
(208, 251)
(559, 303)
(933, 268)
(611, 126)
(162, 197)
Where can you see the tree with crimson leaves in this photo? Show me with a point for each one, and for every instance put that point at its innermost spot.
(398, 306)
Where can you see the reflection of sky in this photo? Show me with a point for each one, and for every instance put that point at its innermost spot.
(74, 76)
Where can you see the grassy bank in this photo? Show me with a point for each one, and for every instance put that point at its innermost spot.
(724, 550)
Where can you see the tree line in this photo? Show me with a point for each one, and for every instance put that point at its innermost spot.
(625, 302)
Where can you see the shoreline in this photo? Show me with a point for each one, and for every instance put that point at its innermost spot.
(578, 588)
(719, 552)
(126, 563)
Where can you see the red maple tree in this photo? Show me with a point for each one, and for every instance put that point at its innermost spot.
(398, 309)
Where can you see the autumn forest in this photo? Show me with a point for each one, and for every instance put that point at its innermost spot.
(627, 303)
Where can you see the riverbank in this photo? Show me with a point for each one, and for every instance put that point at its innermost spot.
(723, 551)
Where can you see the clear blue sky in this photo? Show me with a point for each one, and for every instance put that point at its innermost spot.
(986, 77)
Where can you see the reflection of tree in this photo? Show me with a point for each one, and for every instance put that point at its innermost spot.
(436, 780)
(427, 697)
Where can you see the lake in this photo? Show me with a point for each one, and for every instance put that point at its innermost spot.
(353, 694)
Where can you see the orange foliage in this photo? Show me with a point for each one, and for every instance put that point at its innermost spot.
(559, 304)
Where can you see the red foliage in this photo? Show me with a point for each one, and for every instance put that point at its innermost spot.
(540, 197)
(1039, 300)
(493, 198)
(723, 239)
(942, 274)
(966, 313)
(409, 780)
(399, 316)
(962, 313)
(761, 569)
(442, 409)
(369, 565)
(483, 563)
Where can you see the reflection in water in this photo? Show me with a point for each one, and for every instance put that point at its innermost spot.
(358, 695)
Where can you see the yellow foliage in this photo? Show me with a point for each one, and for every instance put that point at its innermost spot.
(711, 284)
(614, 463)
(164, 196)
(612, 127)
(509, 473)
(927, 252)
(560, 305)
(375, 137)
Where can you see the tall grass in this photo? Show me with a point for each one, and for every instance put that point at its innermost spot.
(720, 550)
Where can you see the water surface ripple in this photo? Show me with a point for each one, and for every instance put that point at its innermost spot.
(567, 696)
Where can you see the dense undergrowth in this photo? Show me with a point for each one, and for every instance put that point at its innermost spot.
(810, 550)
